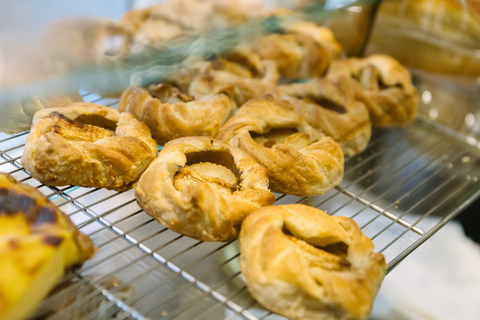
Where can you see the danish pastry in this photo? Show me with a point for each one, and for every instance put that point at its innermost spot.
(300, 159)
(171, 113)
(203, 188)
(304, 264)
(242, 68)
(37, 243)
(88, 145)
(326, 107)
(151, 26)
(303, 51)
(382, 84)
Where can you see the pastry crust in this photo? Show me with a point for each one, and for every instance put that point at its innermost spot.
(300, 159)
(243, 69)
(304, 264)
(203, 188)
(303, 51)
(171, 113)
(88, 145)
(37, 243)
(382, 84)
(326, 107)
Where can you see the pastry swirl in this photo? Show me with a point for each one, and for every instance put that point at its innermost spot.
(243, 69)
(171, 113)
(326, 107)
(304, 264)
(300, 159)
(382, 84)
(303, 51)
(203, 188)
(88, 145)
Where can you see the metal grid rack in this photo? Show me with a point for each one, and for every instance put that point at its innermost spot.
(401, 190)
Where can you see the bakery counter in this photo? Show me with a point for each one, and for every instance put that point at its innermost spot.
(404, 187)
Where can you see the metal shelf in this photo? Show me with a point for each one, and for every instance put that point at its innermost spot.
(401, 190)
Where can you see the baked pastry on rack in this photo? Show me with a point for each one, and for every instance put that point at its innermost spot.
(303, 51)
(249, 75)
(203, 188)
(300, 159)
(171, 113)
(382, 84)
(88, 145)
(37, 243)
(304, 264)
(328, 108)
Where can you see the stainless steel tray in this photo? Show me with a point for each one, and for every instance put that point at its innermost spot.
(401, 190)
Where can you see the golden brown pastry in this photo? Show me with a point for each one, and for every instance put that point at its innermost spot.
(382, 84)
(326, 107)
(300, 159)
(243, 69)
(88, 145)
(304, 264)
(171, 113)
(37, 243)
(203, 188)
(303, 51)
(151, 26)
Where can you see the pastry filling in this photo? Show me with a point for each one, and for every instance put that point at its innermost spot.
(238, 64)
(167, 93)
(290, 136)
(324, 102)
(371, 79)
(215, 168)
(332, 257)
(78, 131)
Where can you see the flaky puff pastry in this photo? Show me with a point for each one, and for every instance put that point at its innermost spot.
(300, 159)
(203, 188)
(328, 108)
(304, 264)
(88, 145)
(303, 51)
(382, 84)
(243, 69)
(171, 113)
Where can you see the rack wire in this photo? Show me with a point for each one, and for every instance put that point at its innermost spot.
(404, 187)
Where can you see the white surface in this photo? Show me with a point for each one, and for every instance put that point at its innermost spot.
(438, 281)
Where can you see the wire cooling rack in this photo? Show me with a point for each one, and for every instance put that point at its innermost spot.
(406, 185)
